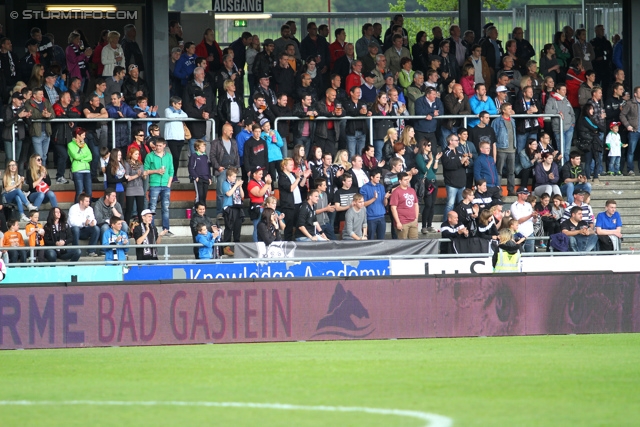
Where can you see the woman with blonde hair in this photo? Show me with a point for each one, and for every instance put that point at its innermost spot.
(408, 138)
(37, 76)
(389, 141)
(342, 160)
(507, 258)
(39, 183)
(13, 190)
(112, 55)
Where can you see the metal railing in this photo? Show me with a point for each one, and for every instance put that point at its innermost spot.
(113, 125)
(166, 257)
(464, 118)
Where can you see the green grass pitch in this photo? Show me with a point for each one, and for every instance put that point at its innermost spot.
(585, 380)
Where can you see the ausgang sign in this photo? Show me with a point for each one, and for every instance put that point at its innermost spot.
(238, 6)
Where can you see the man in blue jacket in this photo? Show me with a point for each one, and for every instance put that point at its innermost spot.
(116, 239)
(481, 102)
(375, 200)
(485, 168)
(116, 110)
(430, 107)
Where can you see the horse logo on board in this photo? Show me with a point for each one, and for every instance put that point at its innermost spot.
(339, 319)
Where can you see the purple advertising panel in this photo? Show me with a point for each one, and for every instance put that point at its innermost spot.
(262, 311)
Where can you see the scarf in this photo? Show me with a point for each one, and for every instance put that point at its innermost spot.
(313, 74)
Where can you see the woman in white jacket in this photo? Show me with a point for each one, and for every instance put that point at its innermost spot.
(112, 54)
(174, 131)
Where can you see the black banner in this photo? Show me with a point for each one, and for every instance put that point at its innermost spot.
(337, 249)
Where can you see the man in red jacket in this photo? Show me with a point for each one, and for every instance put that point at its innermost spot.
(209, 48)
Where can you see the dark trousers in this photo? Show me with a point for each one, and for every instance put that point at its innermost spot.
(328, 144)
(17, 256)
(290, 220)
(232, 223)
(175, 146)
(429, 200)
(128, 211)
(62, 157)
(202, 188)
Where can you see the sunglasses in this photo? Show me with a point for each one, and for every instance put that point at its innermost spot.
(38, 160)
(141, 134)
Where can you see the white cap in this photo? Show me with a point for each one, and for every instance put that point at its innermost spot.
(502, 89)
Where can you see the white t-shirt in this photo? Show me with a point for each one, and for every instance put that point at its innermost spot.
(518, 211)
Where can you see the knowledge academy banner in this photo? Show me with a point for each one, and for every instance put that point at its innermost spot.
(318, 309)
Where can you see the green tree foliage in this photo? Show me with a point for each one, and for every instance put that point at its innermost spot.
(414, 25)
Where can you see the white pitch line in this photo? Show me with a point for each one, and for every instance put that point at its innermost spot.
(433, 420)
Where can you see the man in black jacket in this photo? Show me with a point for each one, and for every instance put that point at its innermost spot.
(259, 110)
(198, 86)
(264, 61)
(63, 133)
(284, 76)
(455, 177)
(197, 108)
(134, 86)
(303, 130)
(356, 130)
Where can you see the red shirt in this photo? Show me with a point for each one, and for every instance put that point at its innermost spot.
(336, 50)
(331, 108)
(404, 201)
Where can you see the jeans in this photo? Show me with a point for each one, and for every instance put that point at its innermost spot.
(62, 156)
(521, 140)
(529, 244)
(82, 181)
(582, 243)
(41, 146)
(89, 232)
(614, 164)
(568, 189)
(72, 255)
(510, 160)
(454, 196)
(306, 239)
(17, 196)
(597, 158)
(568, 136)
(38, 199)
(327, 229)
(255, 228)
(377, 145)
(165, 193)
(8, 150)
(444, 133)
(303, 140)
(633, 142)
(355, 143)
(94, 146)
(192, 149)
(376, 228)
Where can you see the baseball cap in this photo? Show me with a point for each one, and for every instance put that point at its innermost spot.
(373, 76)
(258, 168)
(264, 121)
(523, 190)
(614, 124)
(388, 74)
(502, 89)
(146, 212)
(49, 74)
(17, 95)
(132, 66)
(580, 191)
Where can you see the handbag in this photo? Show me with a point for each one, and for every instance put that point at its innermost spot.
(187, 132)
(43, 187)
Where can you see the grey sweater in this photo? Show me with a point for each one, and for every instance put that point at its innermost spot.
(135, 186)
(354, 222)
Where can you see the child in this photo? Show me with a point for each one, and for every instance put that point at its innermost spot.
(232, 208)
(105, 155)
(200, 171)
(150, 141)
(518, 238)
(613, 145)
(557, 210)
(207, 239)
(35, 233)
(14, 238)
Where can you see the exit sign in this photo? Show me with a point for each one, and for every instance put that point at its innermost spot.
(239, 23)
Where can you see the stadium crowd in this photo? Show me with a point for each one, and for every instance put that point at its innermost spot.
(333, 180)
